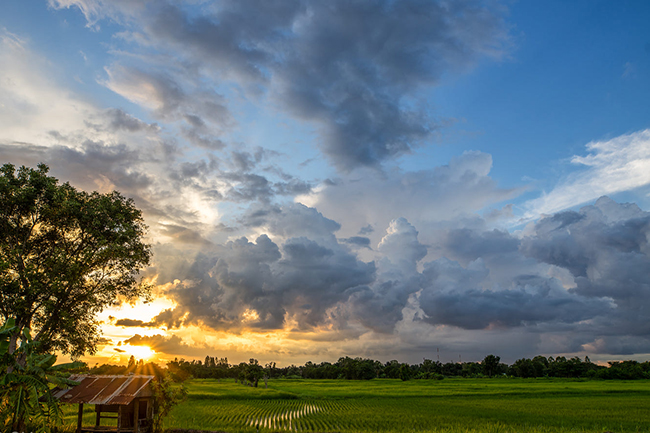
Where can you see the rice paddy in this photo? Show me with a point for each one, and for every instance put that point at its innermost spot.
(385, 405)
(463, 405)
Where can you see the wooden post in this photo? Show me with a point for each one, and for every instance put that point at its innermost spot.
(80, 417)
(119, 418)
(98, 410)
(136, 414)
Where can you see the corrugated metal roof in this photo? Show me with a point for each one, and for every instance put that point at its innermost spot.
(106, 389)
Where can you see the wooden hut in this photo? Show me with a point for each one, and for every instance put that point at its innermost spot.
(127, 399)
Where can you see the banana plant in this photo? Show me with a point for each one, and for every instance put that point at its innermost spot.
(27, 377)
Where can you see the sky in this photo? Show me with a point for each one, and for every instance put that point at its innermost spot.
(392, 179)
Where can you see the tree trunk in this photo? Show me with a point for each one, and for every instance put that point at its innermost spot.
(13, 343)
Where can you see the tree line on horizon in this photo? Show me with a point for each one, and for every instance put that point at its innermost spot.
(367, 369)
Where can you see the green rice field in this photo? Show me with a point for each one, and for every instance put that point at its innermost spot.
(386, 405)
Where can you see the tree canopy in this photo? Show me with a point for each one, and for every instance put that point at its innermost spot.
(65, 255)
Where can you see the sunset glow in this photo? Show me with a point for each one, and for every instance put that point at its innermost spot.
(139, 352)
(384, 179)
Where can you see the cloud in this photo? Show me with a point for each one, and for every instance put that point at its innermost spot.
(612, 166)
(121, 120)
(95, 10)
(457, 296)
(358, 241)
(259, 285)
(132, 323)
(168, 99)
(425, 198)
(171, 345)
(379, 305)
(355, 70)
(32, 103)
(605, 247)
(374, 261)
(539, 281)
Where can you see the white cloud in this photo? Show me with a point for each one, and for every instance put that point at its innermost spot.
(32, 104)
(443, 193)
(612, 166)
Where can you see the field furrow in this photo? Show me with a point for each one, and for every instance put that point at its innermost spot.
(393, 406)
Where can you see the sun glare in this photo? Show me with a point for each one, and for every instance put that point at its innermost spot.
(139, 352)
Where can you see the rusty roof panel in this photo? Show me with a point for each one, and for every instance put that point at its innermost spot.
(102, 390)
(130, 390)
(106, 389)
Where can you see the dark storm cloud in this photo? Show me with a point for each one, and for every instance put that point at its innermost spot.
(456, 296)
(298, 220)
(601, 253)
(353, 68)
(580, 277)
(172, 345)
(304, 280)
(258, 284)
(358, 241)
(354, 62)
(607, 252)
(605, 247)
(467, 245)
(133, 323)
(294, 220)
(621, 345)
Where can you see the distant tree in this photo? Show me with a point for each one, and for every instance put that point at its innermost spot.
(391, 369)
(253, 372)
(471, 369)
(405, 372)
(491, 365)
(451, 369)
(131, 365)
(65, 255)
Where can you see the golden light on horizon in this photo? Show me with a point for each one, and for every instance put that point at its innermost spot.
(139, 352)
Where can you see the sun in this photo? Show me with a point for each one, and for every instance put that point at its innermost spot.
(139, 352)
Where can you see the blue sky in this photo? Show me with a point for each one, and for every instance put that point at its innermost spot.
(342, 177)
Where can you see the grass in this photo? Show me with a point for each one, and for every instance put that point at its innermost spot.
(384, 405)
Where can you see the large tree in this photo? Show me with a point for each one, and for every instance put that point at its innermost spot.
(65, 255)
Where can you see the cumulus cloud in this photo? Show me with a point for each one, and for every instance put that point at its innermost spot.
(605, 247)
(575, 278)
(457, 296)
(426, 197)
(262, 284)
(379, 305)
